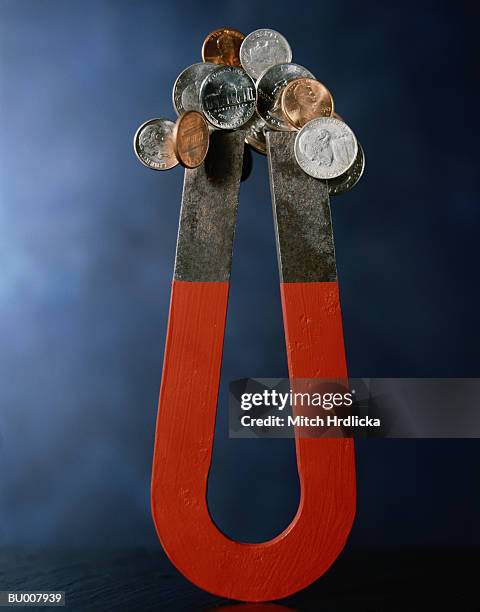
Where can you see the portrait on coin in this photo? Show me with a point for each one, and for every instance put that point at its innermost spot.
(263, 55)
(227, 48)
(317, 147)
(305, 96)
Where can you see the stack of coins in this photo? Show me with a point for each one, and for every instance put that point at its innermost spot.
(250, 82)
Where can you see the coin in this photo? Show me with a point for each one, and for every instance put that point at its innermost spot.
(325, 147)
(222, 46)
(269, 89)
(305, 99)
(255, 135)
(228, 97)
(153, 144)
(263, 49)
(191, 138)
(350, 178)
(186, 90)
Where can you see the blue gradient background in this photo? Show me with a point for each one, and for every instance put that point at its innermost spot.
(87, 242)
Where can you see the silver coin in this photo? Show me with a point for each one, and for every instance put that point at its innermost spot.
(186, 89)
(269, 89)
(255, 135)
(228, 97)
(153, 144)
(350, 178)
(263, 49)
(325, 147)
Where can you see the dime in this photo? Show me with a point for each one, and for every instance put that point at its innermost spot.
(191, 137)
(350, 178)
(228, 97)
(269, 89)
(153, 144)
(325, 148)
(222, 46)
(255, 135)
(263, 49)
(186, 90)
(305, 99)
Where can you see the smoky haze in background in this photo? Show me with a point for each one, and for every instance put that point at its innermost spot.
(87, 249)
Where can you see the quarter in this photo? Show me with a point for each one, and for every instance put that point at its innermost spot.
(222, 46)
(154, 144)
(269, 89)
(228, 97)
(325, 148)
(191, 138)
(305, 99)
(186, 89)
(262, 49)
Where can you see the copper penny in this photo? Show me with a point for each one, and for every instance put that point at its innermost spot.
(305, 99)
(191, 139)
(222, 46)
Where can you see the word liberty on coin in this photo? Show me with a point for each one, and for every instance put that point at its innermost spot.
(250, 82)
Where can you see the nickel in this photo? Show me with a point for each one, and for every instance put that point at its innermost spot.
(228, 97)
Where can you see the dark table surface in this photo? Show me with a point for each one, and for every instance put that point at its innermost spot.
(370, 581)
